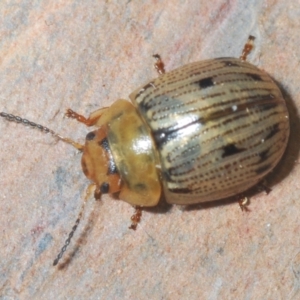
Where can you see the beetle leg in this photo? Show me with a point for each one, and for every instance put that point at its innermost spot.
(136, 217)
(42, 128)
(243, 203)
(90, 121)
(264, 187)
(97, 193)
(247, 48)
(159, 65)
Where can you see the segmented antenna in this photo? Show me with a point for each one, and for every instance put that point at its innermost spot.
(25, 122)
(68, 240)
(89, 191)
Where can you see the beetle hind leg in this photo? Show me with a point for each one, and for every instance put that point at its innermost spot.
(264, 187)
(136, 217)
(247, 47)
(159, 64)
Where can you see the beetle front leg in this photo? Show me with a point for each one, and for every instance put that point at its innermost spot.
(90, 121)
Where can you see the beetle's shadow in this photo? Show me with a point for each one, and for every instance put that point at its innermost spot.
(288, 161)
(281, 171)
(163, 206)
(78, 241)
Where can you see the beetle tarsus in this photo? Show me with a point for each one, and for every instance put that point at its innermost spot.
(74, 115)
(90, 121)
(247, 47)
(135, 218)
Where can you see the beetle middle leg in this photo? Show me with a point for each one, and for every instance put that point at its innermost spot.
(243, 203)
(159, 65)
(263, 186)
(136, 217)
(247, 48)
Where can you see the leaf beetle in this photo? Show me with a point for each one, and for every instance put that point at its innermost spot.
(203, 132)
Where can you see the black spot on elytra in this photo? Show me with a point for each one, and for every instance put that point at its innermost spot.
(144, 106)
(262, 169)
(274, 130)
(90, 136)
(104, 188)
(205, 83)
(264, 155)
(164, 135)
(231, 149)
(161, 137)
(255, 77)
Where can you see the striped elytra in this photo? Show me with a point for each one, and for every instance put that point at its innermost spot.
(219, 126)
(203, 132)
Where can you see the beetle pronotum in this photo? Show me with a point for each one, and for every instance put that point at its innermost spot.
(205, 131)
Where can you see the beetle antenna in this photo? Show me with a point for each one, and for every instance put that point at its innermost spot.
(89, 190)
(68, 240)
(25, 122)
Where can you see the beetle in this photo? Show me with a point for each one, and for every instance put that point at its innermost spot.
(203, 132)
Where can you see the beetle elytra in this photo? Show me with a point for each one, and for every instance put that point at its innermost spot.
(205, 131)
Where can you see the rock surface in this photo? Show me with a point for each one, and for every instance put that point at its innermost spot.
(85, 55)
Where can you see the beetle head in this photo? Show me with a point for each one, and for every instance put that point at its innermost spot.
(98, 163)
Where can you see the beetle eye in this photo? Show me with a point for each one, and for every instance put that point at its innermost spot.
(104, 188)
(90, 136)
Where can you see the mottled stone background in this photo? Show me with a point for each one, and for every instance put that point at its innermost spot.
(86, 54)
